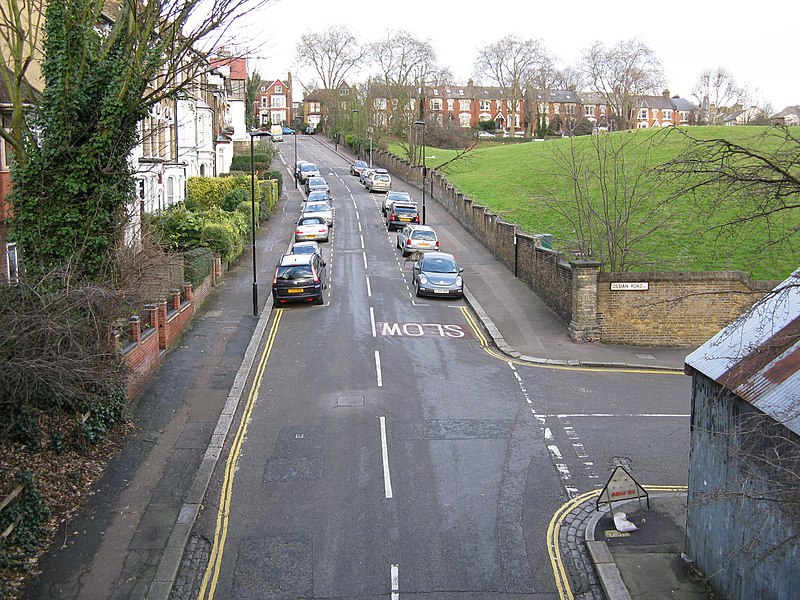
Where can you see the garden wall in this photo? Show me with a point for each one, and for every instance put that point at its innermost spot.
(647, 309)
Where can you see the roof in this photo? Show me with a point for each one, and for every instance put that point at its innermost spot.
(655, 102)
(757, 357)
(683, 104)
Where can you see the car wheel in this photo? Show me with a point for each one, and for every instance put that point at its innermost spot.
(319, 300)
(416, 289)
(405, 253)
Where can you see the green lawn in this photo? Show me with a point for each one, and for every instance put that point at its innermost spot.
(518, 182)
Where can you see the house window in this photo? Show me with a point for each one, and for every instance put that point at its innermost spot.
(12, 263)
(463, 119)
(380, 104)
(642, 114)
(278, 101)
(684, 115)
(602, 111)
(451, 104)
(170, 191)
(263, 89)
(278, 89)
(264, 100)
(435, 92)
(486, 105)
(668, 114)
(436, 104)
(569, 109)
(588, 110)
(464, 105)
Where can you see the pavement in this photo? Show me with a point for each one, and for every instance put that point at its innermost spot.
(133, 539)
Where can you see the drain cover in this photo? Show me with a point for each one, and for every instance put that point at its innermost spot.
(350, 401)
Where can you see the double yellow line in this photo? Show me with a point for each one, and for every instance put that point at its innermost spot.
(211, 576)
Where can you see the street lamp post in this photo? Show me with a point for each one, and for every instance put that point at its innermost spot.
(370, 152)
(355, 123)
(424, 168)
(294, 168)
(254, 134)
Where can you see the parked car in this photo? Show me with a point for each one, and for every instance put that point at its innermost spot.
(391, 197)
(319, 209)
(276, 131)
(371, 173)
(438, 274)
(299, 278)
(311, 228)
(379, 182)
(319, 196)
(308, 170)
(310, 130)
(417, 237)
(357, 167)
(307, 247)
(288, 131)
(402, 213)
(316, 184)
(485, 135)
(362, 177)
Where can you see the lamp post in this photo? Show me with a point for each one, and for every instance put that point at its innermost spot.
(370, 152)
(254, 134)
(424, 168)
(355, 125)
(294, 168)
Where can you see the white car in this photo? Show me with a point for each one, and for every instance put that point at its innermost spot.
(311, 228)
(319, 209)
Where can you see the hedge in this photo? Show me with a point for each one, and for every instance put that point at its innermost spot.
(197, 265)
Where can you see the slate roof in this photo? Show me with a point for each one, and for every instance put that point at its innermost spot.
(757, 357)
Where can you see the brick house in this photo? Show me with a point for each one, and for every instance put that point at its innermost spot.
(744, 456)
(273, 102)
(663, 111)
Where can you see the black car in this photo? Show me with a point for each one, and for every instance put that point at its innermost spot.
(299, 278)
(402, 213)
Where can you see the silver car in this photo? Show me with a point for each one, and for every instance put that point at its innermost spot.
(308, 170)
(319, 209)
(438, 274)
(311, 228)
(393, 196)
(379, 182)
(417, 237)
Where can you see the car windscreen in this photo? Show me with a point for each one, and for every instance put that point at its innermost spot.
(398, 196)
(317, 207)
(294, 272)
(439, 265)
(317, 196)
(304, 249)
(308, 167)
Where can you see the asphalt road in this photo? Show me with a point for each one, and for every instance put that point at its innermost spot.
(383, 452)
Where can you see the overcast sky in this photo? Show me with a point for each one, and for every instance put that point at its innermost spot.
(756, 42)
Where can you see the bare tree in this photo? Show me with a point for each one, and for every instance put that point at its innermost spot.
(615, 203)
(511, 63)
(754, 182)
(404, 61)
(620, 74)
(715, 90)
(334, 55)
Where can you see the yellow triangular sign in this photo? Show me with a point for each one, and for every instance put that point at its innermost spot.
(621, 486)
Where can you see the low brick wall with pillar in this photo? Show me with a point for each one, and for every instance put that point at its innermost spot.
(583, 326)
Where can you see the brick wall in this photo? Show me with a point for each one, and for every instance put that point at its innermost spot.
(678, 309)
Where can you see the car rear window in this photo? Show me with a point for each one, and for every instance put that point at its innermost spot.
(311, 221)
(423, 235)
(293, 272)
(404, 209)
(382, 178)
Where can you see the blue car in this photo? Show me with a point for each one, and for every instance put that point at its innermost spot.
(288, 131)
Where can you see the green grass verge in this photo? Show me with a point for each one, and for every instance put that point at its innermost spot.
(517, 182)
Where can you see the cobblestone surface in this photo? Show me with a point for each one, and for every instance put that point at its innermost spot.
(572, 542)
(190, 573)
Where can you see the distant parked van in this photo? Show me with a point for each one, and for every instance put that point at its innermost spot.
(277, 133)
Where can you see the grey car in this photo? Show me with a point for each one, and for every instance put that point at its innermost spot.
(317, 184)
(438, 274)
(308, 170)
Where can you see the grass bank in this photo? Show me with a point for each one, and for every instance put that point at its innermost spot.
(521, 181)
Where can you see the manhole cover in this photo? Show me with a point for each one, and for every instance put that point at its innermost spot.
(646, 356)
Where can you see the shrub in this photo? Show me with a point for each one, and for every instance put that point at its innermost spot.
(234, 198)
(197, 265)
(246, 210)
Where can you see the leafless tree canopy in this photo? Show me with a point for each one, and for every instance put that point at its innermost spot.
(512, 63)
(402, 59)
(759, 181)
(621, 73)
(333, 54)
(714, 90)
(615, 204)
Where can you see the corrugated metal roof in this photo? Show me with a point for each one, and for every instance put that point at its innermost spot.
(757, 357)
